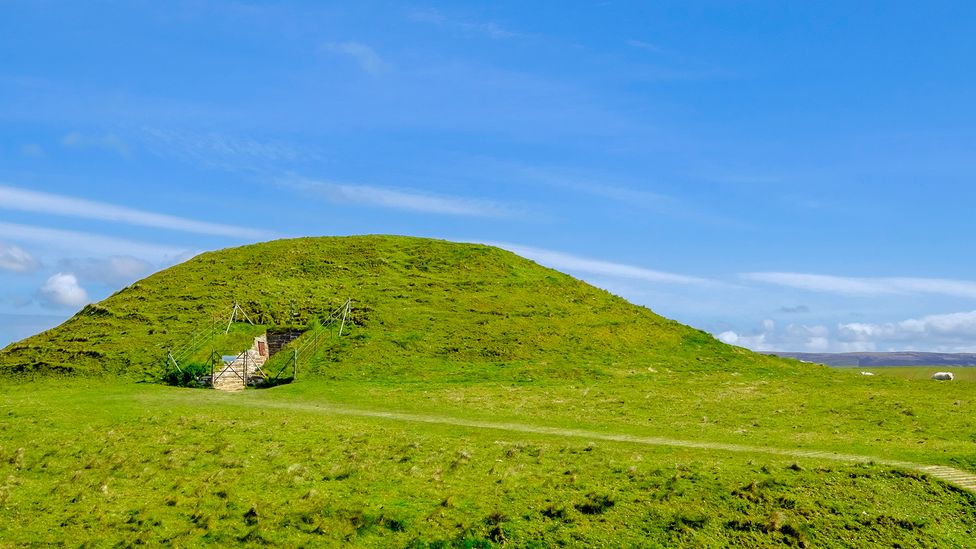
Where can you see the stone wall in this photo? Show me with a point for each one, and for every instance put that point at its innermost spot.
(277, 340)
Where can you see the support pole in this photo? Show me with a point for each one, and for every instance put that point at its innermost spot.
(294, 365)
(233, 315)
(170, 355)
(345, 311)
(247, 318)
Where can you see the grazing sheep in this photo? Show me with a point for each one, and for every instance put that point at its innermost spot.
(867, 374)
(943, 376)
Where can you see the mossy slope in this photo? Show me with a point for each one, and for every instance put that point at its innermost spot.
(421, 307)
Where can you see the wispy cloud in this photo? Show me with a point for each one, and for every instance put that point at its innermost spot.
(16, 259)
(220, 150)
(646, 46)
(853, 286)
(114, 271)
(486, 28)
(13, 198)
(76, 242)
(402, 199)
(108, 142)
(363, 55)
(631, 194)
(573, 263)
(618, 193)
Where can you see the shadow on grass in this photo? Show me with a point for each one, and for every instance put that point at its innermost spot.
(273, 383)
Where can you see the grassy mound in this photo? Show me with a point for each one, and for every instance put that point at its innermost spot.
(422, 308)
(476, 399)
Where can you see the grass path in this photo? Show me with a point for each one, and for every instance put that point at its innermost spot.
(956, 477)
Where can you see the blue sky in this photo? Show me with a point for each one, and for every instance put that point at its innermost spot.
(786, 175)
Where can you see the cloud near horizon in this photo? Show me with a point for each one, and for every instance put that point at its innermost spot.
(950, 333)
(956, 331)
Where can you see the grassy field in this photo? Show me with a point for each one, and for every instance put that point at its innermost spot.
(475, 399)
(961, 373)
(138, 463)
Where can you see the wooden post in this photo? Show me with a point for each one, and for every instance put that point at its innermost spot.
(294, 372)
(213, 351)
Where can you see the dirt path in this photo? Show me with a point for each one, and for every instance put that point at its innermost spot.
(956, 477)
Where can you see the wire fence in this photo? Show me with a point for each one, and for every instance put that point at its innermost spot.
(302, 349)
(311, 342)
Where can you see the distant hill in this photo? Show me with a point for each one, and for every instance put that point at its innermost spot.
(905, 358)
(421, 308)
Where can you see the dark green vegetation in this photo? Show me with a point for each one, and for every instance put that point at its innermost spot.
(476, 334)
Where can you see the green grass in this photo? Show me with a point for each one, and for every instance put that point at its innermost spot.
(478, 336)
(416, 303)
(961, 373)
(136, 463)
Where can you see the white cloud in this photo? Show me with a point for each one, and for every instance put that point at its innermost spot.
(13, 198)
(362, 54)
(794, 337)
(403, 199)
(75, 241)
(62, 290)
(852, 286)
(756, 342)
(729, 337)
(567, 262)
(954, 332)
(109, 142)
(953, 329)
(16, 259)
